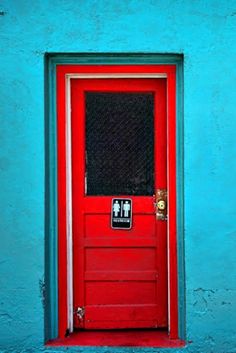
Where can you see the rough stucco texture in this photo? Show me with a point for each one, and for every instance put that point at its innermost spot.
(205, 32)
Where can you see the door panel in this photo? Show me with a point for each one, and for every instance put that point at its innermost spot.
(97, 225)
(120, 258)
(113, 292)
(118, 150)
(121, 316)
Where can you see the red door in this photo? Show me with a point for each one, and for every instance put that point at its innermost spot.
(118, 152)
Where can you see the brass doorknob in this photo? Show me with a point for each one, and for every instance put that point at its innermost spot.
(161, 205)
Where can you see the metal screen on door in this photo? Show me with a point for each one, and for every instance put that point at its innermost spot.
(119, 143)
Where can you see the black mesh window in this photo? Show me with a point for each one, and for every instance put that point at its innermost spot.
(119, 143)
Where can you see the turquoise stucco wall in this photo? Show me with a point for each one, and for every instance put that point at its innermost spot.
(204, 31)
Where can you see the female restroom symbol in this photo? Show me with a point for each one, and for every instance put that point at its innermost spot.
(116, 208)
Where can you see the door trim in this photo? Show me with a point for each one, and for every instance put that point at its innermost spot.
(111, 75)
(167, 71)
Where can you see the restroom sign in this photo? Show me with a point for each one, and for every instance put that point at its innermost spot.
(121, 214)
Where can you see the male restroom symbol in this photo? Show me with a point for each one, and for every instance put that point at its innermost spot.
(126, 209)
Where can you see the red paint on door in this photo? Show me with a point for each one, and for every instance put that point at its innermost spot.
(120, 276)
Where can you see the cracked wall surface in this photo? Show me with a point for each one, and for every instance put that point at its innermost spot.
(204, 31)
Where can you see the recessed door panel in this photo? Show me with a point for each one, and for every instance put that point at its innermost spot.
(98, 225)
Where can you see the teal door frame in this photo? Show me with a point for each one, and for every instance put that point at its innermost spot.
(51, 227)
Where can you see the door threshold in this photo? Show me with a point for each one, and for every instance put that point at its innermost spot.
(119, 338)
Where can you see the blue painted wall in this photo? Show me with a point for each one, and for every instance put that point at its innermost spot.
(205, 32)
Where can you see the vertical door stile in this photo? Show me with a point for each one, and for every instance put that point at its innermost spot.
(78, 185)
(69, 214)
(62, 221)
(172, 236)
(161, 183)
